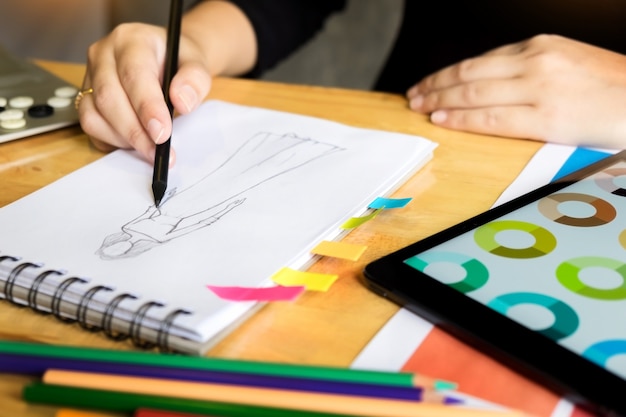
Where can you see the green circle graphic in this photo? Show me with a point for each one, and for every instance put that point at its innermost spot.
(485, 237)
(568, 275)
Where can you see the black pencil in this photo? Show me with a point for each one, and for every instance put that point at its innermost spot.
(162, 154)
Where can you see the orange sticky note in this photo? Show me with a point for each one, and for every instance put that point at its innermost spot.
(310, 280)
(341, 250)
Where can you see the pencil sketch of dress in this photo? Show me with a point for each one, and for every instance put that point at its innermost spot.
(261, 158)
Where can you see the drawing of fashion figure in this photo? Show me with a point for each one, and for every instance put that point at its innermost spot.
(261, 158)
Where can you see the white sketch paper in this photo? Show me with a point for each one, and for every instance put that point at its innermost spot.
(253, 191)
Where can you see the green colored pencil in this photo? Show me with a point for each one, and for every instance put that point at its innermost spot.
(40, 393)
(403, 379)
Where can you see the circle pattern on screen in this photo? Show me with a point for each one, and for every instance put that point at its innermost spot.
(568, 274)
(565, 318)
(476, 274)
(606, 181)
(485, 237)
(604, 212)
(601, 352)
(622, 238)
(583, 271)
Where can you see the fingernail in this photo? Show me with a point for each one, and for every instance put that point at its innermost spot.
(155, 130)
(416, 102)
(438, 116)
(172, 160)
(189, 97)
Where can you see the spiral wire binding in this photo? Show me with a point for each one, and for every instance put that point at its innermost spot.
(55, 305)
(4, 258)
(135, 325)
(106, 323)
(82, 310)
(33, 291)
(164, 329)
(10, 283)
(107, 318)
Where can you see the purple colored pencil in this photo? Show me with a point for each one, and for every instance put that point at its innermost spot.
(37, 365)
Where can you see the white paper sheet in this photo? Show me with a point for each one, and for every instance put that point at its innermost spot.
(253, 191)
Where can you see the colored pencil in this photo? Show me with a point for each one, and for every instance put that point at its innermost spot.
(40, 393)
(262, 397)
(66, 412)
(406, 379)
(122, 402)
(37, 365)
(147, 412)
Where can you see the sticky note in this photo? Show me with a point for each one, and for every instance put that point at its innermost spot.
(278, 293)
(389, 203)
(357, 221)
(311, 280)
(341, 250)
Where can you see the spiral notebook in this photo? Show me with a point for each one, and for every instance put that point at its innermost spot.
(253, 191)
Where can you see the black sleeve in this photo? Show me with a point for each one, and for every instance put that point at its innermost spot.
(281, 26)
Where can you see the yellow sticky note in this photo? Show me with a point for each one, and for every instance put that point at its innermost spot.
(341, 250)
(311, 280)
(357, 221)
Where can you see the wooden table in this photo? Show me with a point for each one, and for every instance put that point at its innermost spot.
(465, 177)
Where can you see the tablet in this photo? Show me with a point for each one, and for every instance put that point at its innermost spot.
(539, 283)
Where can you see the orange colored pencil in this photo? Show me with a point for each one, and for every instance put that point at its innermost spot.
(66, 412)
(285, 399)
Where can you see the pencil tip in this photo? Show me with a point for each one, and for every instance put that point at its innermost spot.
(453, 401)
(441, 385)
(158, 190)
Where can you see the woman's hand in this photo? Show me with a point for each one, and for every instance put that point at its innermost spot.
(546, 88)
(126, 108)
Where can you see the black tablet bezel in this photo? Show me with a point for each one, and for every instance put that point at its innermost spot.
(582, 382)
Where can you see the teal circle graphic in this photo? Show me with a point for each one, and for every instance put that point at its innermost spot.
(565, 318)
(568, 275)
(602, 351)
(485, 237)
(476, 274)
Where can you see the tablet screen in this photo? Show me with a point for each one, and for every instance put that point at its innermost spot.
(557, 266)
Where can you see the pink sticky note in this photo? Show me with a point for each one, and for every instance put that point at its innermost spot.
(277, 293)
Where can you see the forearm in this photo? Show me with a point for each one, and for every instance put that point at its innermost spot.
(225, 36)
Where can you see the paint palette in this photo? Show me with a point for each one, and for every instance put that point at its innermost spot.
(539, 282)
(32, 100)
